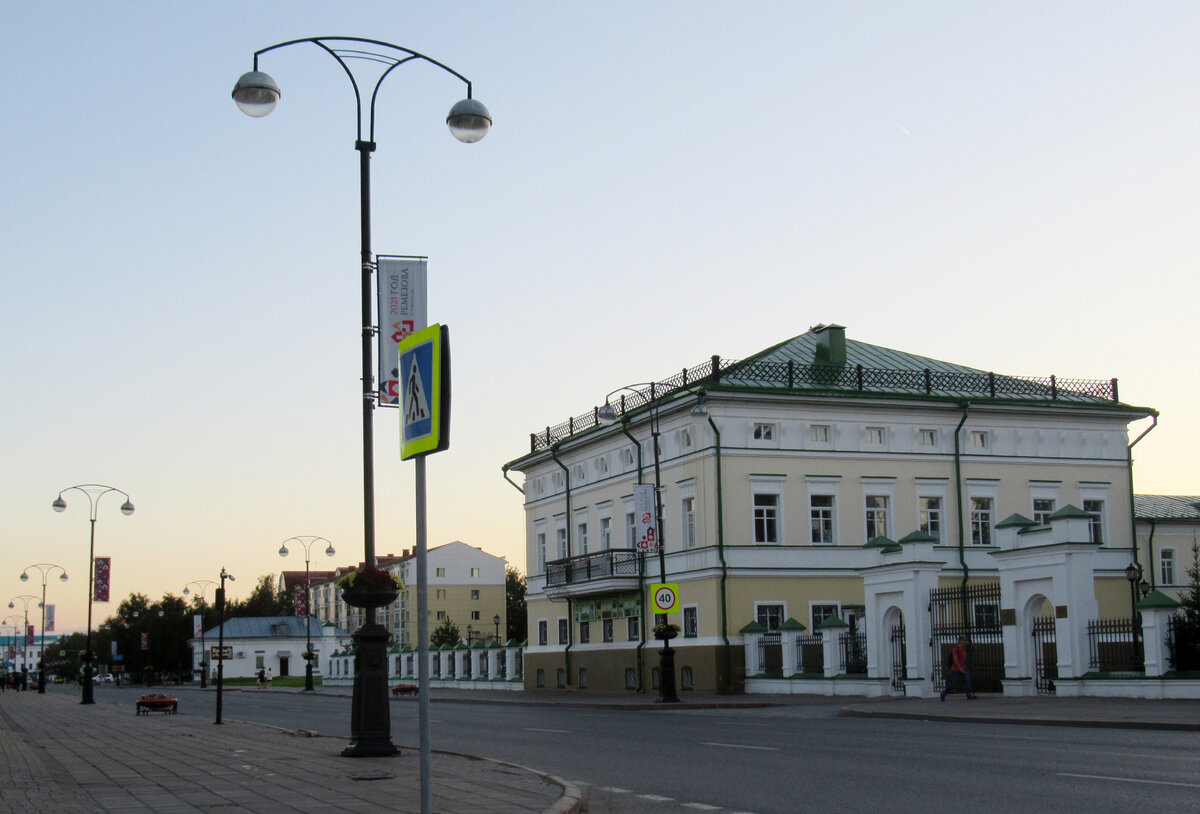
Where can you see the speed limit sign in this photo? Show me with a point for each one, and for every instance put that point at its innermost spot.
(666, 596)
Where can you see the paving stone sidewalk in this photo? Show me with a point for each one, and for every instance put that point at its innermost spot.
(62, 756)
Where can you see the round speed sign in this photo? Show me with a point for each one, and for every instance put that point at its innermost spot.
(666, 596)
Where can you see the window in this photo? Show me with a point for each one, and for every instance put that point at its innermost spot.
(763, 432)
(441, 572)
(1043, 507)
(769, 616)
(630, 530)
(475, 594)
(474, 616)
(562, 630)
(1166, 570)
(978, 439)
(543, 637)
(929, 516)
(821, 512)
(605, 533)
(877, 516)
(686, 679)
(981, 521)
(606, 630)
(819, 433)
(685, 439)
(875, 435)
(475, 572)
(582, 537)
(441, 615)
(585, 632)
(561, 677)
(630, 678)
(821, 612)
(766, 518)
(688, 511)
(927, 438)
(1096, 523)
(440, 593)
(541, 552)
(633, 630)
(561, 533)
(691, 625)
(987, 617)
(627, 458)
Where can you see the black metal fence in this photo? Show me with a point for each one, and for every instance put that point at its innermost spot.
(1045, 655)
(810, 654)
(1183, 644)
(770, 654)
(899, 658)
(616, 562)
(1114, 646)
(973, 612)
(853, 647)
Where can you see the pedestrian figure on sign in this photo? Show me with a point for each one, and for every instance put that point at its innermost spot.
(958, 670)
(262, 678)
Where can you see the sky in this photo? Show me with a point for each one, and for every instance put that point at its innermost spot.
(1011, 186)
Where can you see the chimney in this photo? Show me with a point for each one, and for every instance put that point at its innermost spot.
(831, 345)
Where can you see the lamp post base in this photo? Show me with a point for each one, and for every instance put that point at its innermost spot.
(370, 714)
(666, 678)
(308, 678)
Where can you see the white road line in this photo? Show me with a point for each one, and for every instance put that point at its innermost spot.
(742, 746)
(614, 790)
(654, 798)
(555, 731)
(701, 806)
(1130, 780)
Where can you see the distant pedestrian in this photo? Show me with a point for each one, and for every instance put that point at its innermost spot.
(269, 678)
(958, 669)
(262, 678)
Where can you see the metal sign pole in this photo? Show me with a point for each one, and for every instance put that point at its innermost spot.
(423, 640)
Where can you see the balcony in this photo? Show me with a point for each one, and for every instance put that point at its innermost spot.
(601, 572)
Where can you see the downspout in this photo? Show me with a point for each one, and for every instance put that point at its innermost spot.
(724, 567)
(504, 471)
(570, 603)
(962, 549)
(1132, 513)
(1150, 552)
(641, 566)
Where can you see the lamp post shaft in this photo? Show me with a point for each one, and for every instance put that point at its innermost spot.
(88, 690)
(308, 670)
(666, 678)
(42, 656)
(365, 148)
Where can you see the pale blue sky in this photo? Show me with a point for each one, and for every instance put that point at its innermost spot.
(1010, 186)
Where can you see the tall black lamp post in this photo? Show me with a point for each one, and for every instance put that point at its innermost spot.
(25, 599)
(609, 415)
(496, 622)
(46, 570)
(307, 542)
(202, 586)
(256, 94)
(225, 575)
(94, 492)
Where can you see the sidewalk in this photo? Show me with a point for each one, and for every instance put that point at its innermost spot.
(61, 756)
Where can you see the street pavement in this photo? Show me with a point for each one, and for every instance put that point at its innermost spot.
(61, 756)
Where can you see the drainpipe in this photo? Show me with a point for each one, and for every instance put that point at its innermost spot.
(1132, 517)
(724, 566)
(641, 566)
(962, 550)
(504, 471)
(1150, 552)
(570, 603)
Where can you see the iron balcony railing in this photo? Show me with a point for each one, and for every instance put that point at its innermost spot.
(615, 562)
(845, 378)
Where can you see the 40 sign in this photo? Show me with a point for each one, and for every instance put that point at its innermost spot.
(665, 596)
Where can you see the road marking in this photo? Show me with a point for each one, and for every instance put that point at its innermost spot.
(615, 790)
(743, 746)
(1130, 780)
(702, 806)
(654, 798)
(555, 731)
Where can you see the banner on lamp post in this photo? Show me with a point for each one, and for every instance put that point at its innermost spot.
(300, 600)
(402, 292)
(645, 518)
(197, 626)
(145, 641)
(101, 578)
(49, 618)
(29, 634)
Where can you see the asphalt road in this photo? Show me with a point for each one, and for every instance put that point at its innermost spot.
(797, 758)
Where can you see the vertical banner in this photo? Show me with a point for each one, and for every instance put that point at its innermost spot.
(103, 570)
(401, 285)
(300, 600)
(29, 634)
(145, 641)
(49, 618)
(197, 626)
(645, 516)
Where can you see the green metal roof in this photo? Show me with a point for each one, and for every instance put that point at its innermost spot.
(754, 627)
(918, 537)
(1069, 512)
(1166, 507)
(1157, 599)
(792, 624)
(1018, 520)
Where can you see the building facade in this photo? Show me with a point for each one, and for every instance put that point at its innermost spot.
(1168, 526)
(781, 479)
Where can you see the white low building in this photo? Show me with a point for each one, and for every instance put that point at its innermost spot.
(275, 643)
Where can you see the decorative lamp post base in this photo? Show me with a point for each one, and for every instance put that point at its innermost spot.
(666, 679)
(370, 713)
(308, 678)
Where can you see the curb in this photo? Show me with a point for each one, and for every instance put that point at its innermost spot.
(1077, 723)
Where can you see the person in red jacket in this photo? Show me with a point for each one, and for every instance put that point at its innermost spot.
(958, 669)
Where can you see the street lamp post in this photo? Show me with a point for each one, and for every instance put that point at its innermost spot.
(307, 542)
(1133, 573)
(46, 569)
(25, 600)
(608, 415)
(94, 492)
(496, 622)
(256, 94)
(225, 575)
(202, 586)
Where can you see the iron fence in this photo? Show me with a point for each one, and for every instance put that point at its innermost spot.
(1114, 646)
(810, 655)
(1045, 655)
(899, 659)
(854, 653)
(770, 654)
(974, 612)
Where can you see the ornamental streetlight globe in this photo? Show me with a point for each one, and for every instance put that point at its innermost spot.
(469, 121)
(127, 508)
(256, 94)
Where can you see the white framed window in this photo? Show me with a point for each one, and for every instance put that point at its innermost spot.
(978, 439)
(441, 572)
(875, 436)
(633, 629)
(818, 612)
(987, 616)
(474, 594)
(691, 624)
(1166, 566)
(819, 433)
(543, 635)
(1043, 499)
(562, 630)
(474, 616)
(1096, 522)
(767, 507)
(605, 533)
(684, 439)
(931, 504)
(439, 593)
(927, 437)
(770, 615)
(557, 480)
(606, 630)
(764, 434)
(541, 551)
(983, 520)
(560, 536)
(877, 510)
(822, 511)
(602, 465)
(579, 473)
(628, 458)
(630, 529)
(475, 573)
(581, 531)
(1094, 500)
(585, 632)
(687, 508)
(441, 615)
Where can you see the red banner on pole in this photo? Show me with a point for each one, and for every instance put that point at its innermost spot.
(29, 634)
(301, 601)
(103, 571)
(145, 641)
(49, 618)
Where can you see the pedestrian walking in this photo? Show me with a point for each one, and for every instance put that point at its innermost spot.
(262, 678)
(269, 678)
(958, 670)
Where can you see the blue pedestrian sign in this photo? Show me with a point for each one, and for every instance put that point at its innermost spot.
(424, 374)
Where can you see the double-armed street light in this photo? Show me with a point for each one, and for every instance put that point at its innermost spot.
(201, 586)
(608, 415)
(225, 575)
(94, 492)
(25, 599)
(46, 570)
(307, 541)
(256, 94)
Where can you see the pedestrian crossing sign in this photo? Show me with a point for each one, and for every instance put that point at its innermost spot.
(425, 392)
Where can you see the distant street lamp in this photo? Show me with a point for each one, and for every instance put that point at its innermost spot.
(496, 622)
(256, 94)
(202, 585)
(46, 569)
(609, 415)
(25, 600)
(94, 492)
(1133, 573)
(11, 623)
(225, 575)
(307, 542)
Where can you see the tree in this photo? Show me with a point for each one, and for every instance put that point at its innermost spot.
(264, 600)
(1187, 624)
(514, 604)
(446, 633)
